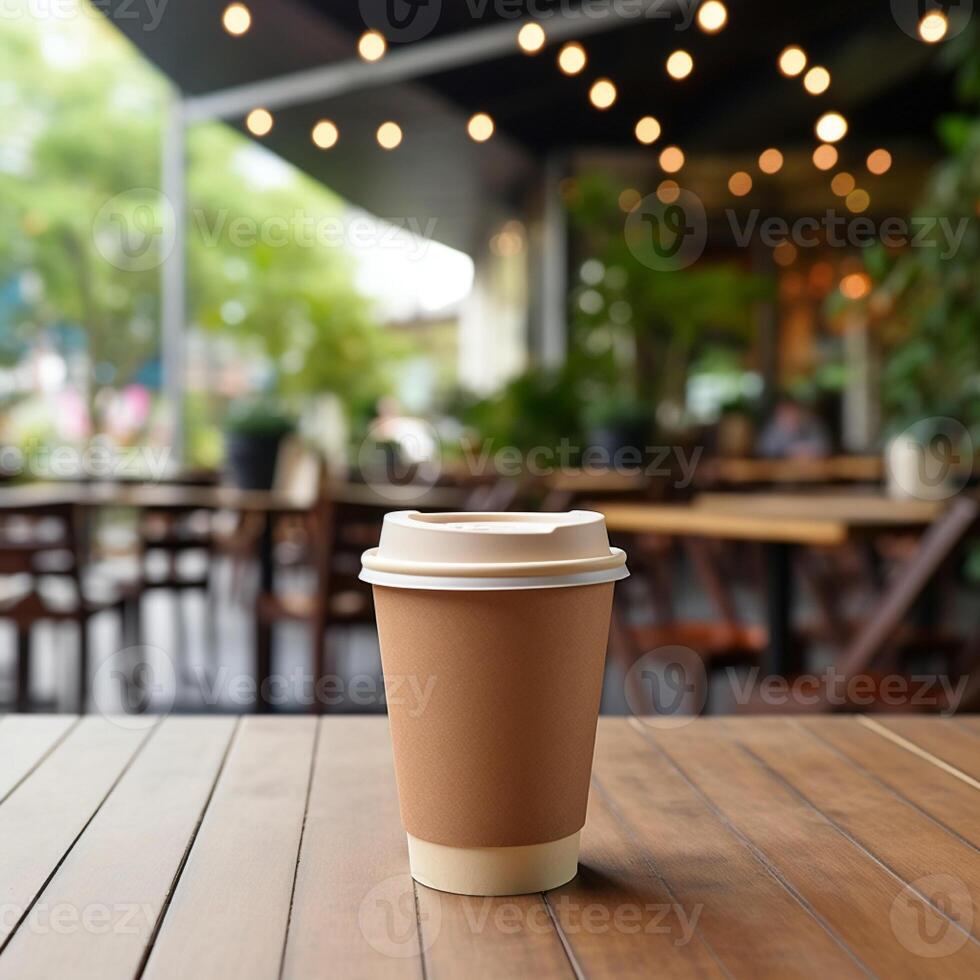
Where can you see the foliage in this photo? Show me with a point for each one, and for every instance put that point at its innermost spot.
(931, 299)
(647, 327)
(259, 418)
(82, 125)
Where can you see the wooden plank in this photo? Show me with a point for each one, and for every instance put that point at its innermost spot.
(849, 889)
(902, 837)
(24, 742)
(354, 905)
(229, 912)
(944, 796)
(682, 519)
(43, 816)
(754, 925)
(96, 916)
(847, 507)
(942, 739)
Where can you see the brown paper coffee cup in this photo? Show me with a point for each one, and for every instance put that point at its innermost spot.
(493, 696)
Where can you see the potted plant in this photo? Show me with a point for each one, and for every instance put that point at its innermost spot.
(253, 434)
(618, 422)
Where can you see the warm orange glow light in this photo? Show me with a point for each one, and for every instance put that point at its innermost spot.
(325, 134)
(259, 122)
(792, 61)
(628, 199)
(771, 161)
(933, 27)
(712, 16)
(817, 80)
(572, 58)
(647, 130)
(668, 191)
(480, 127)
(531, 38)
(602, 94)
(858, 200)
(679, 65)
(825, 157)
(372, 46)
(879, 162)
(831, 127)
(740, 183)
(389, 135)
(855, 286)
(842, 184)
(671, 159)
(236, 19)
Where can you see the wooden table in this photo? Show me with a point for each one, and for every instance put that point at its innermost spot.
(751, 470)
(781, 527)
(271, 847)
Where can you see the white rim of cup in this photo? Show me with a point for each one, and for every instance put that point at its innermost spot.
(450, 583)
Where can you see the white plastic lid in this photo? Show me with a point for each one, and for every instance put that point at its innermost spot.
(492, 551)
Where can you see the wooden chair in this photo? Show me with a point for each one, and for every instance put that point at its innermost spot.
(56, 583)
(885, 639)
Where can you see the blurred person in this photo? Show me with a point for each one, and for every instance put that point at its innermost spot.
(793, 431)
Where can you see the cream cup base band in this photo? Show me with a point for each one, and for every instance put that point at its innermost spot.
(494, 870)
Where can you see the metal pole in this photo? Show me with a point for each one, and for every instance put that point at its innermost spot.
(553, 337)
(173, 285)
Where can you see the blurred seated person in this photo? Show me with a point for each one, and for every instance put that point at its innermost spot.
(793, 431)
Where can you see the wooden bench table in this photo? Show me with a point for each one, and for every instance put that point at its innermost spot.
(264, 847)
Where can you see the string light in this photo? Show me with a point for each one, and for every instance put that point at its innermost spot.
(879, 162)
(933, 27)
(740, 183)
(817, 80)
(712, 16)
(784, 254)
(855, 286)
(572, 58)
(770, 161)
(831, 127)
(480, 127)
(531, 38)
(325, 134)
(372, 46)
(668, 191)
(825, 156)
(792, 61)
(671, 159)
(858, 200)
(236, 19)
(629, 198)
(647, 130)
(842, 184)
(259, 122)
(679, 65)
(602, 94)
(389, 135)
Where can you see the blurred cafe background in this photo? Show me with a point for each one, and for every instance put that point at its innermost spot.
(273, 268)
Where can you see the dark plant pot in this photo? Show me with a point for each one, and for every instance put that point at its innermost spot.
(614, 438)
(250, 459)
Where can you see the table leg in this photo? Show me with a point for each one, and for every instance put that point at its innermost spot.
(783, 656)
(263, 626)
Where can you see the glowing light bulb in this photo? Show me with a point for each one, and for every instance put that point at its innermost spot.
(647, 130)
(480, 127)
(825, 156)
(792, 61)
(679, 65)
(712, 16)
(259, 122)
(933, 27)
(671, 159)
(389, 135)
(879, 162)
(325, 134)
(740, 183)
(831, 127)
(770, 161)
(602, 94)
(531, 38)
(372, 46)
(817, 80)
(572, 58)
(236, 19)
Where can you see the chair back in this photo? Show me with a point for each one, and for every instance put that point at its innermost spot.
(896, 602)
(299, 471)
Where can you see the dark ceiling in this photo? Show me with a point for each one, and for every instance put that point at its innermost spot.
(735, 102)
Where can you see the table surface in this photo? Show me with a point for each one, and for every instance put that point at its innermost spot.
(785, 522)
(265, 847)
(737, 470)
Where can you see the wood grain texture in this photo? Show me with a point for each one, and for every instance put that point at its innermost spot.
(956, 746)
(848, 888)
(24, 742)
(943, 796)
(753, 923)
(682, 519)
(354, 905)
(41, 819)
(113, 885)
(853, 508)
(229, 911)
